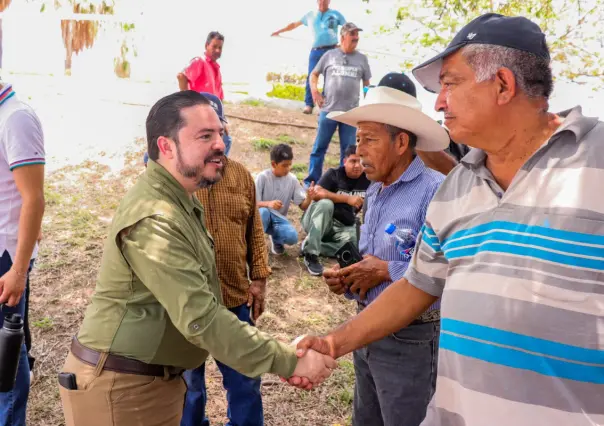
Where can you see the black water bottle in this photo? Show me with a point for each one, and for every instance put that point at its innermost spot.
(11, 340)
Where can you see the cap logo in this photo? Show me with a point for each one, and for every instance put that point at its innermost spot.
(471, 36)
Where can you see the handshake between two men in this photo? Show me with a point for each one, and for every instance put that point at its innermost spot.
(315, 352)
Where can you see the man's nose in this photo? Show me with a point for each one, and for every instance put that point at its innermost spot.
(218, 144)
(441, 101)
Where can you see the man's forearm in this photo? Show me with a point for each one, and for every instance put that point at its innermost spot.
(266, 204)
(304, 205)
(439, 161)
(183, 82)
(394, 309)
(289, 27)
(314, 82)
(337, 198)
(30, 222)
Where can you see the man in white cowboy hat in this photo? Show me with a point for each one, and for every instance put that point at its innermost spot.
(395, 376)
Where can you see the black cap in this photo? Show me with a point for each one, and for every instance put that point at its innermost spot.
(399, 81)
(515, 32)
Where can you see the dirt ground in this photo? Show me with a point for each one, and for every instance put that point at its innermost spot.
(80, 204)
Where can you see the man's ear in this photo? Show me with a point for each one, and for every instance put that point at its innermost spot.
(402, 143)
(506, 85)
(166, 147)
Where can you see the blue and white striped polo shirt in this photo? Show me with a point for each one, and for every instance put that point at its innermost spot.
(521, 275)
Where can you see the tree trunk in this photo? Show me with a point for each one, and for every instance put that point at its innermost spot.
(68, 47)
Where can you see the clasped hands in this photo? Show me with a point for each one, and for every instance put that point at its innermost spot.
(316, 362)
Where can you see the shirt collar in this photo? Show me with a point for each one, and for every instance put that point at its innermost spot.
(415, 169)
(165, 183)
(576, 123)
(211, 60)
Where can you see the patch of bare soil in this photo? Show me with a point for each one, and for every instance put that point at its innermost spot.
(80, 204)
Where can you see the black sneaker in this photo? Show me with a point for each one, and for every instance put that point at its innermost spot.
(312, 264)
(277, 249)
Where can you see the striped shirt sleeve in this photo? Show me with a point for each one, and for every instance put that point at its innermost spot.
(24, 140)
(428, 268)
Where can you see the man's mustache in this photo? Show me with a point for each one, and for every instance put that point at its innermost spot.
(217, 154)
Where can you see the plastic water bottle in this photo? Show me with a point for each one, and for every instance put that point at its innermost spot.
(11, 339)
(402, 239)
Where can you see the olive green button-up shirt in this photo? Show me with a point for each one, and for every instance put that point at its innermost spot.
(158, 297)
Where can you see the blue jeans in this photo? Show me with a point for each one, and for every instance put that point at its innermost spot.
(313, 60)
(13, 404)
(396, 377)
(280, 229)
(327, 128)
(243, 393)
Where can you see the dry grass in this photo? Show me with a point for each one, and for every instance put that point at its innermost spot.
(80, 204)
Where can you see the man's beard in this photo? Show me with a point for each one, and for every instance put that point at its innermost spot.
(196, 172)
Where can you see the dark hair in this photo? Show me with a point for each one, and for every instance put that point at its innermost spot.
(165, 119)
(214, 35)
(394, 131)
(350, 150)
(281, 152)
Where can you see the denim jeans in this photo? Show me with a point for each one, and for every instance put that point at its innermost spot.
(243, 393)
(313, 60)
(325, 131)
(396, 377)
(279, 228)
(13, 404)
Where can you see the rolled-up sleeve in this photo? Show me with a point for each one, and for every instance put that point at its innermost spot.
(428, 268)
(165, 261)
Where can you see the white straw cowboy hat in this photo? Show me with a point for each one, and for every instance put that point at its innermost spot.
(390, 106)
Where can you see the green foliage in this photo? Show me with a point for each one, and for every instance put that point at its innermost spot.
(298, 79)
(573, 28)
(253, 102)
(299, 167)
(290, 140)
(262, 144)
(287, 91)
(44, 323)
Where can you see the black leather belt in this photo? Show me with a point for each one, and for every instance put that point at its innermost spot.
(121, 364)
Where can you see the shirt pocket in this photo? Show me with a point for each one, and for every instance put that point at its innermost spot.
(238, 206)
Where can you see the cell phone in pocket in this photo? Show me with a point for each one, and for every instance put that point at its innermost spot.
(348, 255)
(68, 381)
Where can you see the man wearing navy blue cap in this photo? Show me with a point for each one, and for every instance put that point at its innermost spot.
(512, 243)
(215, 103)
(442, 161)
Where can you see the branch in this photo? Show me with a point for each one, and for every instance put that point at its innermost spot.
(563, 37)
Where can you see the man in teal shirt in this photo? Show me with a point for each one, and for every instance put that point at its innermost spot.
(324, 24)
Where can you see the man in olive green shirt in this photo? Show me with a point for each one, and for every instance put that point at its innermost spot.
(157, 308)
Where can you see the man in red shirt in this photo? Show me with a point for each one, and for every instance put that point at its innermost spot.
(203, 74)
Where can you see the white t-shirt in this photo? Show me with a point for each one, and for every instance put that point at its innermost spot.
(21, 144)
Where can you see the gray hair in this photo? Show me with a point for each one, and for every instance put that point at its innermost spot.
(394, 131)
(533, 73)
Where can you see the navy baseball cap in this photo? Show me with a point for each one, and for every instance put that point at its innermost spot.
(399, 81)
(216, 103)
(515, 32)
